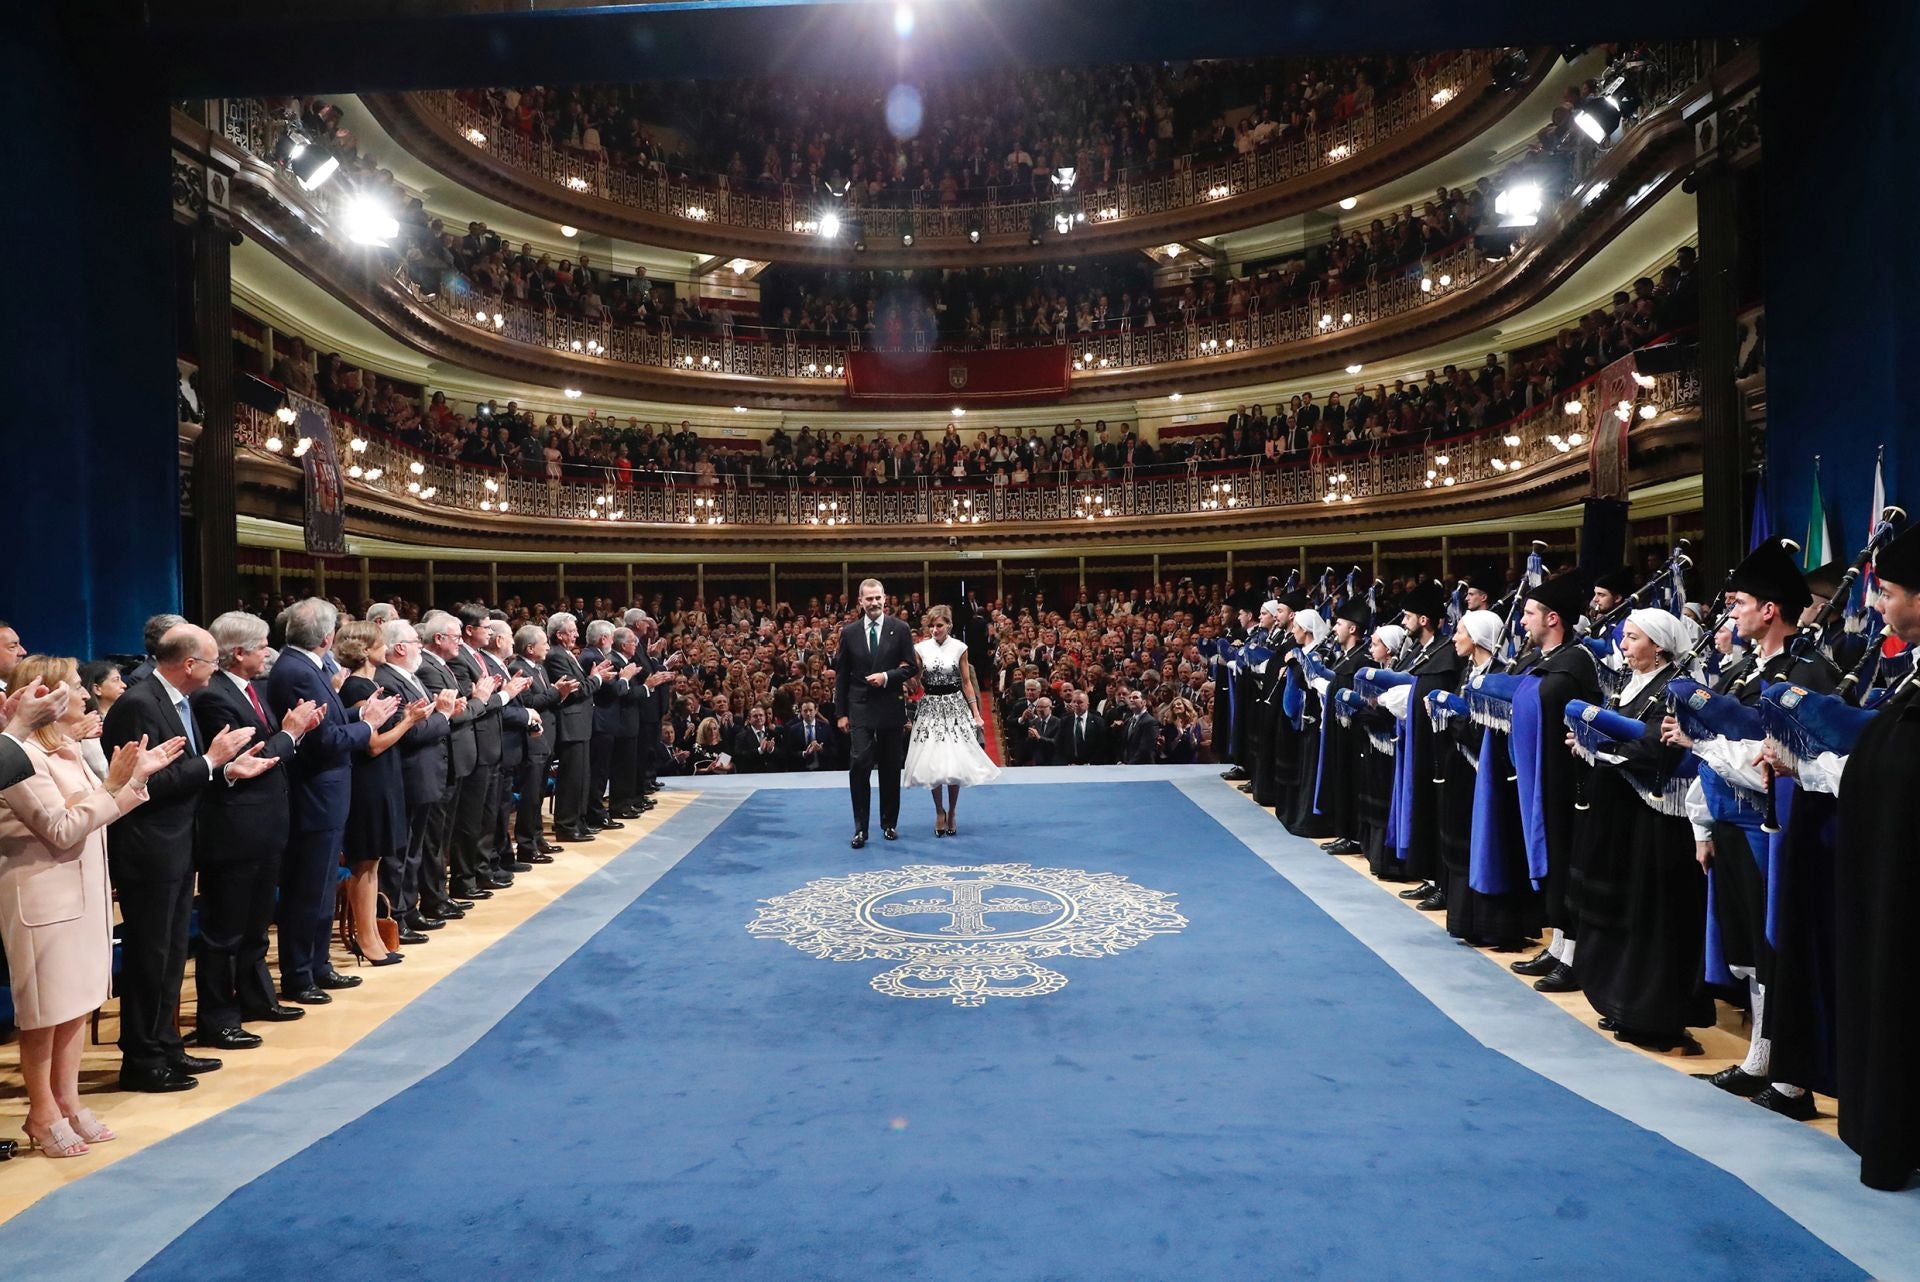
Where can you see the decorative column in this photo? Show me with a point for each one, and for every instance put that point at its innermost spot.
(1726, 136)
(201, 217)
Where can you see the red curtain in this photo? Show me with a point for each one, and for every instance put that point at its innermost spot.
(947, 378)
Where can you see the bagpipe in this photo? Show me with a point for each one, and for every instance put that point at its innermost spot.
(1442, 707)
(1346, 703)
(1702, 714)
(1599, 731)
(1489, 700)
(1376, 686)
(1801, 725)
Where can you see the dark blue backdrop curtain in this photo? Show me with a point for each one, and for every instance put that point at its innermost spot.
(90, 468)
(1842, 154)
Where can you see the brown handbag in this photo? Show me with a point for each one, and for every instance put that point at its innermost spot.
(385, 923)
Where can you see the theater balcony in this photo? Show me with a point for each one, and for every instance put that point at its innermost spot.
(1188, 197)
(1460, 292)
(1623, 432)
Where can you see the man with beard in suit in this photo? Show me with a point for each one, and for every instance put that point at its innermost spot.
(872, 665)
(1142, 732)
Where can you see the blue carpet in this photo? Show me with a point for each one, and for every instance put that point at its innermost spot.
(1258, 1096)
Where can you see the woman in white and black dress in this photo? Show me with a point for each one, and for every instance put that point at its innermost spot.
(945, 748)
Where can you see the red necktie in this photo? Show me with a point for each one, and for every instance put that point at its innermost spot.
(254, 699)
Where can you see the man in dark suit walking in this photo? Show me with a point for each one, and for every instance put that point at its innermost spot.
(322, 789)
(575, 686)
(423, 774)
(150, 855)
(871, 668)
(239, 841)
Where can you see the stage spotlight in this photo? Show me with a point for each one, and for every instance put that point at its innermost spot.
(906, 230)
(1597, 118)
(367, 222)
(973, 233)
(903, 20)
(310, 164)
(1349, 202)
(1063, 223)
(829, 225)
(1519, 204)
(1063, 178)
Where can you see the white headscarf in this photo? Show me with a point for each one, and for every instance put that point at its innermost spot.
(1664, 630)
(1310, 622)
(1270, 607)
(1486, 629)
(1392, 636)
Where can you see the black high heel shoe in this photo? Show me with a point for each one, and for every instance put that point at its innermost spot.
(360, 957)
(939, 822)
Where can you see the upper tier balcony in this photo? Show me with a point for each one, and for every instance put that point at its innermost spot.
(1183, 199)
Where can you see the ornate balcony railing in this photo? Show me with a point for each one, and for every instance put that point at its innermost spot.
(786, 209)
(763, 352)
(383, 467)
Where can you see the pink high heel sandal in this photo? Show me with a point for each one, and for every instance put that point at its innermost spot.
(90, 1128)
(57, 1140)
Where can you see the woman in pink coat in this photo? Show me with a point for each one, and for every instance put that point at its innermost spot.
(56, 909)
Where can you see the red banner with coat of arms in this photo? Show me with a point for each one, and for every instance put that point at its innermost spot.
(947, 378)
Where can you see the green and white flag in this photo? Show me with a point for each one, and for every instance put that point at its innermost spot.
(1814, 552)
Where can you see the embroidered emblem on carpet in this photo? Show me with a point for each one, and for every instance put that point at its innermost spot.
(968, 933)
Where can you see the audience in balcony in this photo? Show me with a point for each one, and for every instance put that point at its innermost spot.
(999, 135)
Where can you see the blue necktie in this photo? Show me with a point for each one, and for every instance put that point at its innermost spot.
(873, 637)
(186, 722)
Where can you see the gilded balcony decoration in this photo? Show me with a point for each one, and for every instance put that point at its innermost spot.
(1514, 466)
(1189, 198)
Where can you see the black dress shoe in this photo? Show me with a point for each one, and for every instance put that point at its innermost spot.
(274, 1014)
(1800, 1108)
(1538, 964)
(859, 840)
(458, 904)
(546, 847)
(332, 979)
(629, 812)
(533, 857)
(417, 922)
(487, 881)
(1735, 1080)
(1609, 1024)
(226, 1039)
(311, 995)
(194, 1065)
(572, 835)
(1234, 775)
(1247, 788)
(609, 822)
(890, 833)
(513, 866)
(156, 1081)
(1434, 903)
(412, 937)
(1344, 846)
(1421, 891)
(1558, 980)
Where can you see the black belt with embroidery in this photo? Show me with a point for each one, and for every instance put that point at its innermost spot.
(933, 689)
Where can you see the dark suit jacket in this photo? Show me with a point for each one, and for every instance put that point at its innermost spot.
(1142, 740)
(513, 718)
(463, 752)
(542, 698)
(873, 707)
(607, 695)
(423, 749)
(634, 697)
(322, 770)
(576, 711)
(487, 724)
(793, 745)
(1093, 744)
(747, 757)
(247, 818)
(1040, 752)
(155, 841)
(15, 765)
